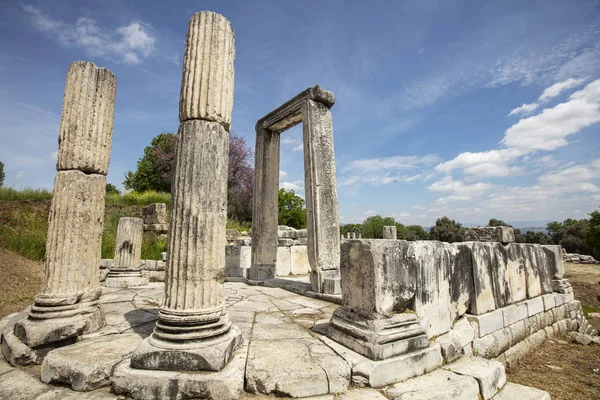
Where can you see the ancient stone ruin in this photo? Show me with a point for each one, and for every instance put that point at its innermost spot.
(155, 218)
(378, 318)
(312, 108)
(126, 269)
(67, 304)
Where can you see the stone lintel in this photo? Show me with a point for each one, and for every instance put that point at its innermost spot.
(289, 114)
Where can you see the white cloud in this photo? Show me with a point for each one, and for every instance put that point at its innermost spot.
(548, 94)
(548, 130)
(129, 43)
(449, 185)
(524, 109)
(20, 175)
(493, 163)
(557, 88)
(390, 163)
(370, 213)
(296, 186)
(542, 132)
(386, 170)
(282, 174)
(54, 155)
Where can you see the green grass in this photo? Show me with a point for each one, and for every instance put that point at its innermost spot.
(10, 194)
(24, 221)
(137, 199)
(589, 309)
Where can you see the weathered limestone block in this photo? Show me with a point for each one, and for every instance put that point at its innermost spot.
(323, 225)
(237, 260)
(87, 119)
(523, 259)
(502, 234)
(389, 232)
(439, 384)
(299, 260)
(512, 391)
(514, 313)
(208, 72)
(517, 278)
(378, 284)
(461, 279)
(490, 374)
(155, 213)
(432, 301)
(490, 276)
(127, 270)
(193, 331)
(378, 278)
(487, 323)
(545, 266)
(555, 261)
(284, 261)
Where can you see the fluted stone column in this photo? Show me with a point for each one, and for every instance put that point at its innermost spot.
(67, 304)
(127, 270)
(193, 331)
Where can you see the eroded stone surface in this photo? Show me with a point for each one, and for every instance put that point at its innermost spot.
(208, 72)
(490, 374)
(310, 369)
(87, 119)
(88, 365)
(17, 385)
(437, 385)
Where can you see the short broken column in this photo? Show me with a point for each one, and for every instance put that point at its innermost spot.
(67, 304)
(127, 268)
(193, 331)
(389, 232)
(378, 286)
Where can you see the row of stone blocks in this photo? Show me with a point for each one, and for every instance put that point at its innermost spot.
(499, 334)
(291, 260)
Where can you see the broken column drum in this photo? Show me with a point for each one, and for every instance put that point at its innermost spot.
(127, 271)
(67, 304)
(312, 108)
(193, 331)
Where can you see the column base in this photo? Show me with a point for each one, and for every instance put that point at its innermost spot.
(378, 339)
(211, 354)
(328, 282)
(123, 278)
(48, 325)
(262, 272)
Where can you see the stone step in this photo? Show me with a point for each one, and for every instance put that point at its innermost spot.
(437, 385)
(490, 374)
(512, 391)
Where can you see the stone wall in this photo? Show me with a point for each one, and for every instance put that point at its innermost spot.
(483, 298)
(292, 254)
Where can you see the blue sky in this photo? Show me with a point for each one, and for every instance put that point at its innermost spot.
(467, 109)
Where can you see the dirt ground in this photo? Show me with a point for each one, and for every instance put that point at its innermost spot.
(20, 280)
(568, 371)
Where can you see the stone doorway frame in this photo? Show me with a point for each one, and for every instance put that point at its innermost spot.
(311, 108)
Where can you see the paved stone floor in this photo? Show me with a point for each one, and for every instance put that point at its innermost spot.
(283, 349)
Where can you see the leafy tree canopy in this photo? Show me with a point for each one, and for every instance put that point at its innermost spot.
(112, 189)
(291, 209)
(447, 230)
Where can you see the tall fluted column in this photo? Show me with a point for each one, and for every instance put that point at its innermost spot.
(67, 304)
(127, 270)
(193, 331)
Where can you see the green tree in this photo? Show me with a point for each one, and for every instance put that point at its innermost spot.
(416, 232)
(351, 228)
(112, 189)
(497, 222)
(447, 230)
(372, 227)
(291, 209)
(592, 236)
(2, 175)
(155, 168)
